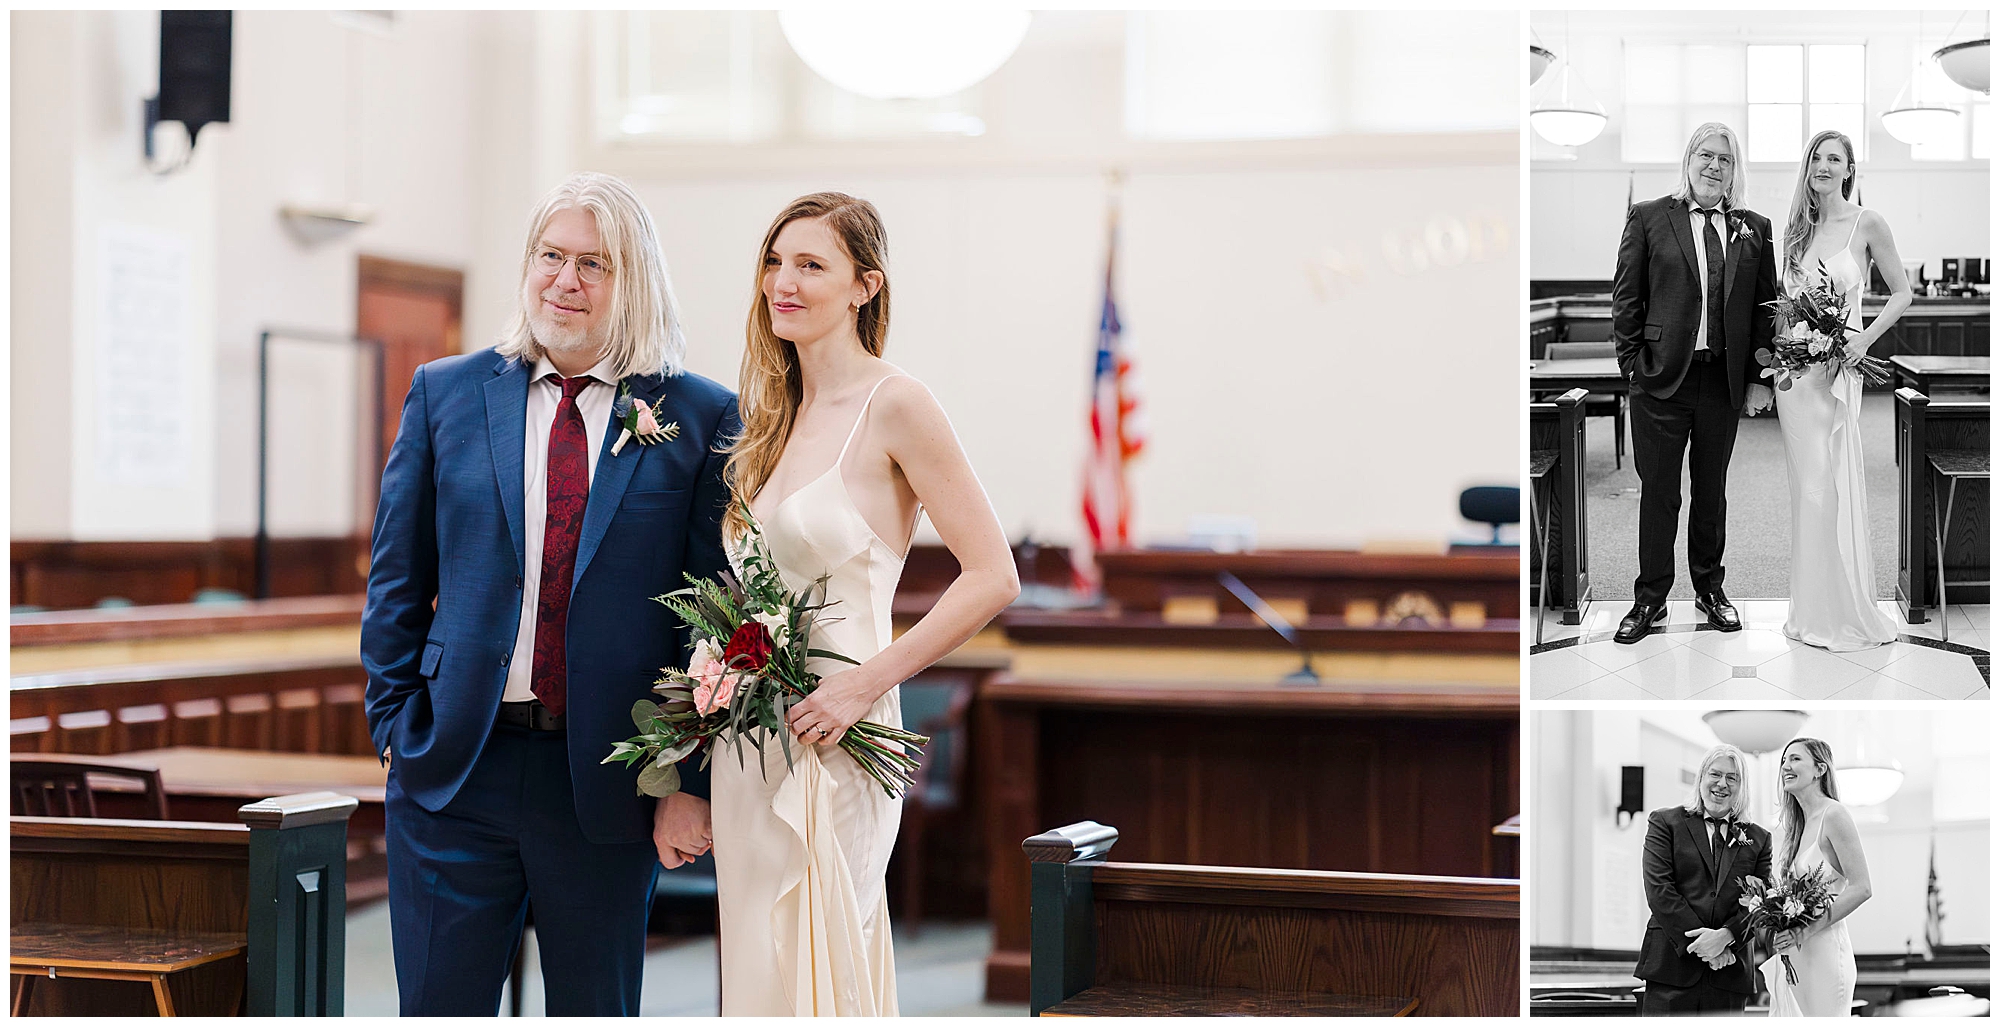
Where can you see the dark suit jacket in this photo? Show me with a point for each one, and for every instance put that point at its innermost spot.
(448, 529)
(1685, 891)
(1656, 298)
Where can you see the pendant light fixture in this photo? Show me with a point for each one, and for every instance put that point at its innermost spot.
(1755, 731)
(1864, 775)
(1918, 116)
(1539, 60)
(1968, 63)
(1567, 114)
(904, 55)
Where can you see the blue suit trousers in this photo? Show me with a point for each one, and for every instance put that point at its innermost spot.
(461, 879)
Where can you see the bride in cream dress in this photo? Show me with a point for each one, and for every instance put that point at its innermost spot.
(1830, 238)
(840, 454)
(1816, 832)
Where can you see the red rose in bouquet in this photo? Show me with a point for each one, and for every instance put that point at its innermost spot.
(749, 648)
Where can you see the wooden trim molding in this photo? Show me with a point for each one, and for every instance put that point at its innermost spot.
(1493, 898)
(185, 620)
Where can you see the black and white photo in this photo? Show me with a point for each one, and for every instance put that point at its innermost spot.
(1758, 357)
(1692, 862)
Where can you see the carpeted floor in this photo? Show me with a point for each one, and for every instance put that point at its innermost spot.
(1758, 555)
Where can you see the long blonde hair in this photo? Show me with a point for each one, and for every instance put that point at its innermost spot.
(643, 334)
(769, 388)
(1805, 216)
(1732, 194)
(1792, 815)
(1696, 804)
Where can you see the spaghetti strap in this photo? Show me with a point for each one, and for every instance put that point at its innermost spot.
(1851, 229)
(858, 418)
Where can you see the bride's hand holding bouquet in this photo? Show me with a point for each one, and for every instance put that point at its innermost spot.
(1787, 910)
(748, 681)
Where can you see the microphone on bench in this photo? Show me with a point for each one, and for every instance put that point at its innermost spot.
(1302, 676)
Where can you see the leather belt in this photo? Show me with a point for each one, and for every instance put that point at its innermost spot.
(1703, 356)
(531, 715)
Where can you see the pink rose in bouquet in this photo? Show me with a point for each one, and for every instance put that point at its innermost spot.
(714, 684)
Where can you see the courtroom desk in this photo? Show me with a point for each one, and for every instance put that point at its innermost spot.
(1931, 326)
(1591, 374)
(1391, 777)
(1930, 375)
(1361, 589)
(1246, 631)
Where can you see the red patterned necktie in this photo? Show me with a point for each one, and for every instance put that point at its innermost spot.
(568, 491)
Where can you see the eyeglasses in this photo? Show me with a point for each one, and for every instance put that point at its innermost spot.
(590, 268)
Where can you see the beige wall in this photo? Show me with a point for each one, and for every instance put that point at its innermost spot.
(1293, 368)
(322, 111)
(1304, 360)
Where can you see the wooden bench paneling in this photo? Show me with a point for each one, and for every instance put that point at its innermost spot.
(1452, 944)
(1924, 424)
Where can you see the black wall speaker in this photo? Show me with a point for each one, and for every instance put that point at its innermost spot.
(194, 68)
(1631, 794)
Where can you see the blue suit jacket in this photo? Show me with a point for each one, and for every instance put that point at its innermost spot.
(448, 530)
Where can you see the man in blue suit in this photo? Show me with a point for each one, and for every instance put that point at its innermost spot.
(523, 529)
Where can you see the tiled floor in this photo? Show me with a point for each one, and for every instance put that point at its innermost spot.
(940, 972)
(1685, 659)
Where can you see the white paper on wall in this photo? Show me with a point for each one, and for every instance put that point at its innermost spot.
(143, 418)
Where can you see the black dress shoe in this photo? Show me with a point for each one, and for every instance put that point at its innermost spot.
(1716, 607)
(1639, 623)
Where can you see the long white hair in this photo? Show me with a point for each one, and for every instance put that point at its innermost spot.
(1741, 800)
(1732, 194)
(643, 334)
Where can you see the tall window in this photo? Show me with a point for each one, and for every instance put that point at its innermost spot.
(1670, 89)
(1796, 92)
(1777, 96)
(1303, 74)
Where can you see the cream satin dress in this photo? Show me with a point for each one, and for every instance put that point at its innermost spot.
(1825, 963)
(1832, 566)
(800, 852)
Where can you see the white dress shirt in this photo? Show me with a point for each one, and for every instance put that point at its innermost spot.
(1701, 260)
(544, 393)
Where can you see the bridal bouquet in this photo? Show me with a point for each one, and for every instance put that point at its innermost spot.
(1798, 899)
(747, 671)
(1816, 331)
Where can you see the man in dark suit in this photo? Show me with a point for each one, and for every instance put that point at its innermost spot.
(1688, 315)
(1696, 953)
(510, 626)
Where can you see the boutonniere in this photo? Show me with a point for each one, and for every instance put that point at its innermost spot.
(1739, 226)
(1734, 834)
(640, 421)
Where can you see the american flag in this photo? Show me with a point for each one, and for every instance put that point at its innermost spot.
(1116, 436)
(1933, 906)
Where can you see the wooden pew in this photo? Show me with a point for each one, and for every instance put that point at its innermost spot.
(1559, 556)
(1142, 939)
(1394, 777)
(280, 674)
(1925, 428)
(275, 883)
